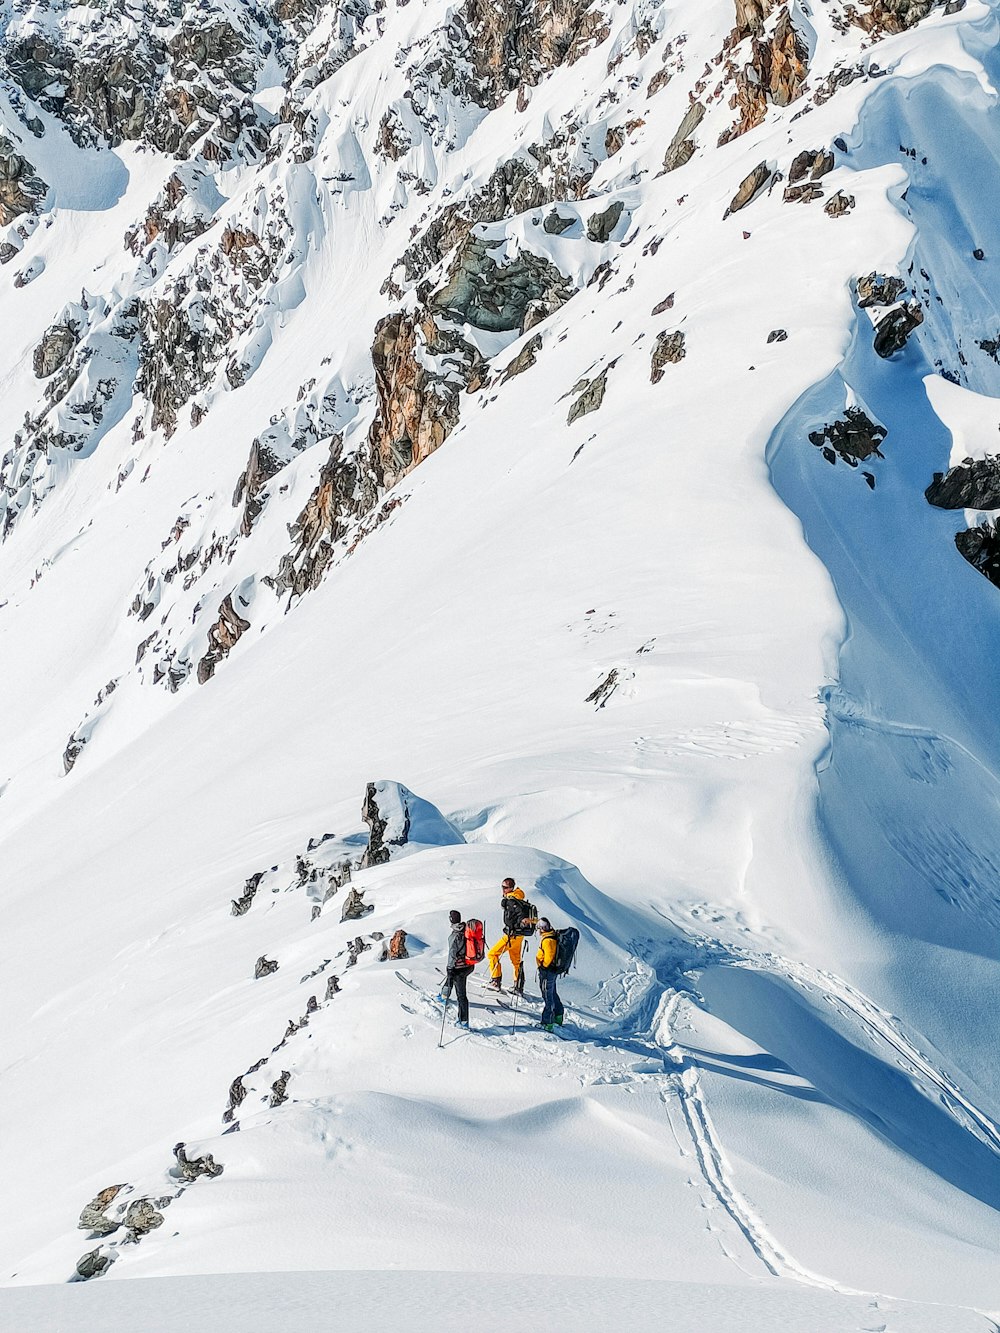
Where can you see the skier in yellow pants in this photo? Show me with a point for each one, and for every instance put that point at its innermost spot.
(509, 942)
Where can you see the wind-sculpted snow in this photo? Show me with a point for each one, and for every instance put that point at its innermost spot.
(534, 403)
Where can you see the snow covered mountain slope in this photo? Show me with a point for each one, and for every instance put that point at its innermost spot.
(531, 404)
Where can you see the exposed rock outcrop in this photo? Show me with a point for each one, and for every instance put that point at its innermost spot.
(776, 70)
(591, 395)
(264, 966)
(893, 329)
(191, 1168)
(93, 1216)
(750, 187)
(497, 297)
(93, 1264)
(224, 634)
(981, 547)
(524, 360)
(142, 1218)
(884, 17)
(355, 906)
(853, 438)
(877, 289)
(601, 226)
(346, 489)
(682, 146)
(54, 349)
(21, 190)
(972, 484)
(669, 349)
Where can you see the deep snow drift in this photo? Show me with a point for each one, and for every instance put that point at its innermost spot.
(335, 455)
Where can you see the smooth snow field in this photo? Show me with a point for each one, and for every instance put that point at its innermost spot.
(724, 707)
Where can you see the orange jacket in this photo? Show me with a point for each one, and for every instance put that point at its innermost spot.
(546, 954)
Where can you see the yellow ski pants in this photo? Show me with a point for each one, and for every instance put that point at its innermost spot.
(510, 944)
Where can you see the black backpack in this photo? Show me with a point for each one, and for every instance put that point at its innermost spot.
(566, 941)
(519, 916)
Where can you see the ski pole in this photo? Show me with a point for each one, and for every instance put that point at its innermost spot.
(444, 1012)
(514, 1008)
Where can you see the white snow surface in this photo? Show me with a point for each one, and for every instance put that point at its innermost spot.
(775, 1102)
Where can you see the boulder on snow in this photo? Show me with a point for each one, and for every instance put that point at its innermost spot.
(893, 329)
(591, 395)
(839, 205)
(669, 349)
(54, 349)
(142, 1218)
(555, 224)
(355, 906)
(600, 226)
(853, 438)
(681, 147)
(93, 1264)
(396, 818)
(396, 950)
(264, 967)
(93, 1219)
(750, 187)
(191, 1168)
(878, 289)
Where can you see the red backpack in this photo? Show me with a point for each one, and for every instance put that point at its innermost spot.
(475, 942)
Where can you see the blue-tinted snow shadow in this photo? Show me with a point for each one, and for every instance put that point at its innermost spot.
(908, 795)
(774, 1014)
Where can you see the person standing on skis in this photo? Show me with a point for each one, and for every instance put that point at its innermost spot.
(511, 941)
(552, 1006)
(458, 968)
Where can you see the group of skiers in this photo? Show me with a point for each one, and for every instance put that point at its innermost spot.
(520, 919)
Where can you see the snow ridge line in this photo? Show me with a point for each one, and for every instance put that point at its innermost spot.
(685, 1083)
(884, 1028)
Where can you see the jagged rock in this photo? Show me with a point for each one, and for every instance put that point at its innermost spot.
(776, 71)
(884, 17)
(810, 162)
(397, 946)
(804, 193)
(223, 635)
(682, 145)
(393, 139)
(600, 696)
(839, 204)
(666, 304)
(669, 349)
(508, 48)
(981, 547)
(600, 226)
(93, 1264)
(377, 853)
(418, 405)
(264, 967)
(513, 187)
(72, 752)
(332, 987)
(241, 905)
(555, 224)
(237, 1096)
(191, 1168)
(973, 484)
(893, 329)
(279, 1087)
(750, 187)
(178, 353)
(877, 289)
(524, 360)
(495, 297)
(20, 189)
(355, 906)
(591, 396)
(346, 490)
(142, 1217)
(750, 17)
(854, 438)
(261, 466)
(93, 1219)
(777, 336)
(54, 350)
(355, 948)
